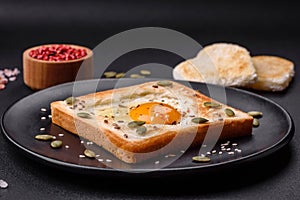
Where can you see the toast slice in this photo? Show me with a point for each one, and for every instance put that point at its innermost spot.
(219, 63)
(273, 73)
(143, 121)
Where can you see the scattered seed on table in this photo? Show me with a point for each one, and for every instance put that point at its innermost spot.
(89, 153)
(136, 76)
(201, 159)
(56, 144)
(145, 72)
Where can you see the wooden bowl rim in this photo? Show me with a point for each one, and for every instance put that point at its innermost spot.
(88, 51)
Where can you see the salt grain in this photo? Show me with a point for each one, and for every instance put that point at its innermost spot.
(13, 78)
(3, 184)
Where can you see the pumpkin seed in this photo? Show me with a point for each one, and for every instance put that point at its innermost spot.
(89, 153)
(83, 115)
(229, 112)
(255, 114)
(109, 74)
(56, 144)
(45, 137)
(164, 83)
(136, 76)
(120, 75)
(255, 122)
(211, 104)
(199, 120)
(70, 100)
(201, 159)
(141, 130)
(145, 72)
(135, 124)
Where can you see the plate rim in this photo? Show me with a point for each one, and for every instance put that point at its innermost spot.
(247, 158)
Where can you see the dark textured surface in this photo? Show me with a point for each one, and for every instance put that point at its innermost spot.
(268, 28)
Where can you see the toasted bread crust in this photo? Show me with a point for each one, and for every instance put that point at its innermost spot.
(133, 151)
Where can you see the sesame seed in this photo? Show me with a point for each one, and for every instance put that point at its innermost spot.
(234, 144)
(108, 160)
(61, 135)
(43, 118)
(157, 162)
(81, 141)
(43, 109)
(81, 156)
(204, 145)
(228, 149)
(208, 153)
(220, 152)
(42, 129)
(50, 116)
(89, 143)
(231, 153)
(214, 151)
(238, 150)
(67, 146)
(97, 156)
(100, 160)
(182, 151)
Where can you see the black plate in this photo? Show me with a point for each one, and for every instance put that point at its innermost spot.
(22, 121)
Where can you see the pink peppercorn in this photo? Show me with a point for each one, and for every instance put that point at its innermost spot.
(57, 53)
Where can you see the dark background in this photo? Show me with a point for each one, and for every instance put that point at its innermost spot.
(264, 28)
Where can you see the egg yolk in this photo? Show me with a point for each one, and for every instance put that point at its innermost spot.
(155, 113)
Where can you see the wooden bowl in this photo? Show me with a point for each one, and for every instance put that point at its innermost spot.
(39, 74)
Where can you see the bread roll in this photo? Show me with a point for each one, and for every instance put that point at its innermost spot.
(220, 63)
(274, 73)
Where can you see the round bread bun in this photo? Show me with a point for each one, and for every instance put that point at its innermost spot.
(219, 63)
(274, 73)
